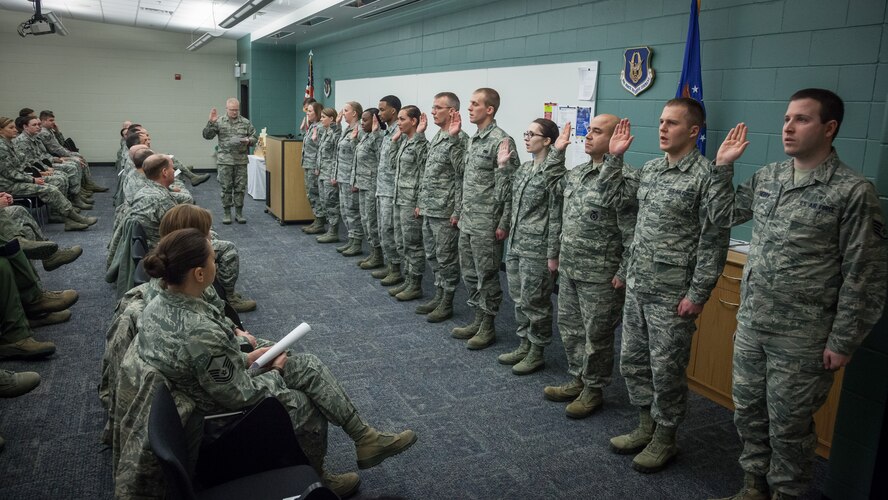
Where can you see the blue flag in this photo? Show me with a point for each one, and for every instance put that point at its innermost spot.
(691, 82)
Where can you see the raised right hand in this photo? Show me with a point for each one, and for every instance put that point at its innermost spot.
(397, 135)
(504, 153)
(423, 123)
(355, 133)
(455, 123)
(375, 126)
(733, 146)
(214, 115)
(563, 138)
(314, 135)
(622, 138)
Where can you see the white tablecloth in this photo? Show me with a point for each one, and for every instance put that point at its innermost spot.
(256, 177)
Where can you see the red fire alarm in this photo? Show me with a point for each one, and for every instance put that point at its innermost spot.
(178, 76)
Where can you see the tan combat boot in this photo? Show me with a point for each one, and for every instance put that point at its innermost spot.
(316, 227)
(533, 362)
(61, 257)
(468, 331)
(588, 402)
(240, 303)
(382, 273)
(373, 261)
(13, 385)
(226, 215)
(26, 348)
(344, 485)
(332, 234)
(566, 392)
(375, 446)
(50, 301)
(37, 250)
(754, 488)
(400, 288)
(514, 357)
(486, 335)
(356, 248)
(636, 440)
(444, 311)
(394, 276)
(412, 292)
(52, 318)
(239, 215)
(432, 304)
(658, 453)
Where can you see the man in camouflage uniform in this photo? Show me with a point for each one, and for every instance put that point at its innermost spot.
(439, 194)
(676, 257)
(31, 148)
(392, 243)
(17, 224)
(349, 210)
(47, 122)
(310, 143)
(154, 199)
(485, 215)
(366, 164)
(596, 234)
(812, 289)
(236, 134)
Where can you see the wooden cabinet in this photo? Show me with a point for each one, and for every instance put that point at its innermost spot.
(286, 200)
(709, 370)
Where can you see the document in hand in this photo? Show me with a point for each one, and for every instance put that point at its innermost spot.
(280, 347)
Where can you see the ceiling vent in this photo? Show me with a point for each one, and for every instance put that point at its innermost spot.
(386, 10)
(157, 11)
(359, 3)
(280, 34)
(316, 20)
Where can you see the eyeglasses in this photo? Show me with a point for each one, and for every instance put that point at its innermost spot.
(530, 135)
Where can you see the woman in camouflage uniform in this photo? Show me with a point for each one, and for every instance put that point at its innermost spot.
(192, 344)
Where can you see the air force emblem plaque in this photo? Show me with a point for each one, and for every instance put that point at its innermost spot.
(637, 75)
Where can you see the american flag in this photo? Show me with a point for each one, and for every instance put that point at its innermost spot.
(310, 84)
(691, 82)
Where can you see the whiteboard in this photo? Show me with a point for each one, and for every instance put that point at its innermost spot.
(523, 91)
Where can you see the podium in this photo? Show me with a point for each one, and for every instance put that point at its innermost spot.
(286, 200)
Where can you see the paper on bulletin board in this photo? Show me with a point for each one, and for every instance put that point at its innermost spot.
(547, 109)
(578, 117)
(587, 81)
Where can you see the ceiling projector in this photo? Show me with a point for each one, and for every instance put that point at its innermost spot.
(42, 24)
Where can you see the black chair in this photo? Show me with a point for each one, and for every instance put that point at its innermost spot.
(138, 251)
(168, 441)
(36, 207)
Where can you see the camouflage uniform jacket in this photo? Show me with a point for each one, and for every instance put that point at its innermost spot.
(409, 158)
(327, 140)
(440, 191)
(345, 156)
(385, 174)
(596, 231)
(677, 249)
(191, 343)
(31, 149)
(231, 151)
(817, 259)
(367, 161)
(149, 206)
(11, 166)
(52, 145)
(536, 208)
(310, 146)
(487, 188)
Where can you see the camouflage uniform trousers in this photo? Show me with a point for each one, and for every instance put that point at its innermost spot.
(441, 242)
(778, 384)
(369, 217)
(330, 199)
(233, 179)
(531, 286)
(655, 353)
(47, 193)
(59, 181)
(19, 284)
(16, 222)
(313, 193)
(389, 230)
(351, 212)
(316, 398)
(479, 260)
(227, 264)
(588, 314)
(74, 174)
(411, 234)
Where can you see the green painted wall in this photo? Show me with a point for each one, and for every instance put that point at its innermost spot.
(756, 53)
(276, 86)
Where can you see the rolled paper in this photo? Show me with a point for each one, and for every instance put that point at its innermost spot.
(280, 347)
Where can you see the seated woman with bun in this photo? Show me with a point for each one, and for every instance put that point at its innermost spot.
(192, 344)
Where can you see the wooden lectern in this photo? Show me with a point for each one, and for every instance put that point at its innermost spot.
(286, 200)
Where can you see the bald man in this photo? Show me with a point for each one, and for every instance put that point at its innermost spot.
(596, 235)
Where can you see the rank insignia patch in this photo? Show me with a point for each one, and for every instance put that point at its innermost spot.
(637, 75)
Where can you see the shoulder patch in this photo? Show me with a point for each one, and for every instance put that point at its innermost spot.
(220, 369)
(879, 230)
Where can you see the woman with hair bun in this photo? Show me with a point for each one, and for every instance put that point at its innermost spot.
(190, 342)
(533, 243)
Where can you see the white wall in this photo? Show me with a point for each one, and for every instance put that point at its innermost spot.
(101, 74)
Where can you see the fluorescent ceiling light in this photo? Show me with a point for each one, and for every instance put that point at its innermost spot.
(200, 42)
(246, 10)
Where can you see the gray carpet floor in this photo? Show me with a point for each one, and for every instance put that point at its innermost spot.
(483, 432)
